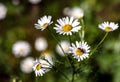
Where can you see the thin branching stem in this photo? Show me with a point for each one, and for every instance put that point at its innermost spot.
(73, 75)
(61, 73)
(99, 43)
(56, 69)
(56, 39)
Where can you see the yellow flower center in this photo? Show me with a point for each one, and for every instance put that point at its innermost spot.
(38, 67)
(46, 52)
(108, 29)
(79, 51)
(66, 28)
(44, 25)
(21, 51)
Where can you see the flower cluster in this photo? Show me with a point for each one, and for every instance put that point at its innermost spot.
(79, 50)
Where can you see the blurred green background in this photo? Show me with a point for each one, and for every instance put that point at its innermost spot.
(19, 22)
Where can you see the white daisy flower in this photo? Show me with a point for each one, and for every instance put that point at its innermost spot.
(67, 26)
(65, 46)
(41, 44)
(108, 26)
(41, 67)
(43, 22)
(75, 12)
(3, 11)
(34, 1)
(26, 64)
(48, 55)
(21, 48)
(80, 50)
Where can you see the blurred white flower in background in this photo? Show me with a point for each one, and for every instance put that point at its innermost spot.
(48, 55)
(35, 1)
(65, 46)
(27, 64)
(3, 11)
(41, 44)
(21, 48)
(75, 12)
(15, 2)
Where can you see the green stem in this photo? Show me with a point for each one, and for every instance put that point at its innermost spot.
(73, 76)
(55, 68)
(99, 43)
(81, 33)
(82, 22)
(56, 40)
(70, 40)
(59, 45)
(61, 73)
(36, 79)
(63, 52)
(73, 70)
